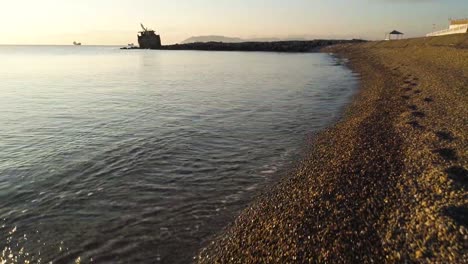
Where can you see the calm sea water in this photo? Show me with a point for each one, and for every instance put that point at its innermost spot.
(111, 156)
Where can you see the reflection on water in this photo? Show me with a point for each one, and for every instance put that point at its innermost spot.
(112, 156)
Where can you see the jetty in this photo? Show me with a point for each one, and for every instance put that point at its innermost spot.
(275, 46)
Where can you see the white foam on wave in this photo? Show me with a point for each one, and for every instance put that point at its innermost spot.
(269, 169)
(252, 187)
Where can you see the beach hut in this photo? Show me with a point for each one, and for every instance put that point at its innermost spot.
(395, 33)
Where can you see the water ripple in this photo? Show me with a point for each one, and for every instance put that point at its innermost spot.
(129, 157)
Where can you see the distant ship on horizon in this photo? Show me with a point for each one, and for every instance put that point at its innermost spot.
(76, 43)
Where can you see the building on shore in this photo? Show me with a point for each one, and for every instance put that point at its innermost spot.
(147, 39)
(457, 26)
(396, 35)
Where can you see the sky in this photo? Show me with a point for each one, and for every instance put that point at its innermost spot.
(116, 22)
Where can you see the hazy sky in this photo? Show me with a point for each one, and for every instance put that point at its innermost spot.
(117, 21)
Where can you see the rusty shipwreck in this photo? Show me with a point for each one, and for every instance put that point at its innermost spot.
(148, 39)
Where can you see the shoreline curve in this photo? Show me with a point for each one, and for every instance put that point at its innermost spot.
(387, 183)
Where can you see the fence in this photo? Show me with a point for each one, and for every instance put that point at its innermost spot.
(453, 30)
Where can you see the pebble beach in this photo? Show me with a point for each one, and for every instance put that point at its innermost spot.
(387, 183)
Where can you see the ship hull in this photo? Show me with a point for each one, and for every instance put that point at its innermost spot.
(149, 41)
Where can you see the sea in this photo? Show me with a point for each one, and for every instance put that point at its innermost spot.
(139, 156)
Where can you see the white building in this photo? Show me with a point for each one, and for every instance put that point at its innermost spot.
(457, 26)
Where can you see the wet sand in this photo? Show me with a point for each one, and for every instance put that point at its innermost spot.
(385, 184)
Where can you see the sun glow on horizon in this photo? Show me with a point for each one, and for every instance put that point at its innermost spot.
(107, 22)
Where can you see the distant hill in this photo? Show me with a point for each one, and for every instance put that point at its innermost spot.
(203, 39)
(212, 39)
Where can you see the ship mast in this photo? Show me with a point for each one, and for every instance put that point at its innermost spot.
(143, 27)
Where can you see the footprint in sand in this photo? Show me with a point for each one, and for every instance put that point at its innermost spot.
(407, 89)
(447, 154)
(459, 175)
(415, 124)
(443, 135)
(413, 107)
(459, 214)
(418, 114)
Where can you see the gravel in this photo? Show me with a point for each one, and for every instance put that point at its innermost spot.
(387, 183)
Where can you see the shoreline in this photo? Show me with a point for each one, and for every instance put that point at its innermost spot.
(387, 183)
